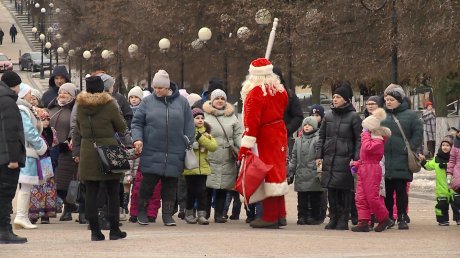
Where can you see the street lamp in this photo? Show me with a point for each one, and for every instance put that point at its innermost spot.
(70, 54)
(59, 51)
(34, 30)
(42, 72)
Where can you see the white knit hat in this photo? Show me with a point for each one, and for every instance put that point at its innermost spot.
(260, 67)
(372, 122)
(161, 79)
(218, 93)
(136, 91)
(193, 98)
(23, 90)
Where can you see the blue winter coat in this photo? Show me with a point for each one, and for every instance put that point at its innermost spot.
(162, 124)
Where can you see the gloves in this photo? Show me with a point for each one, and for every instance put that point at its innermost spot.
(290, 179)
(353, 170)
(449, 180)
(243, 152)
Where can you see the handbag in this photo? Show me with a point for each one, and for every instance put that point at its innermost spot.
(234, 151)
(190, 162)
(113, 158)
(46, 167)
(413, 160)
(72, 192)
(252, 175)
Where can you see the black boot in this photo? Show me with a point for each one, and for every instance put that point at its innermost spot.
(103, 222)
(8, 237)
(115, 232)
(402, 223)
(167, 212)
(81, 218)
(96, 234)
(67, 214)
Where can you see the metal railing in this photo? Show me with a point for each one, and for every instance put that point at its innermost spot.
(453, 111)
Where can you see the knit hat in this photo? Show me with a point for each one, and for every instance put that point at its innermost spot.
(373, 121)
(197, 111)
(136, 91)
(345, 91)
(44, 115)
(375, 99)
(218, 93)
(317, 109)
(395, 91)
(94, 84)
(108, 80)
(11, 79)
(37, 94)
(428, 103)
(449, 139)
(69, 88)
(23, 90)
(260, 67)
(161, 79)
(193, 98)
(146, 93)
(310, 121)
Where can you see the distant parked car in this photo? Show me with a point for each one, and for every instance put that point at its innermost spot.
(306, 101)
(32, 61)
(5, 63)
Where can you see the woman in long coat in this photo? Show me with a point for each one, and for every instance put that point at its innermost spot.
(98, 118)
(60, 110)
(396, 166)
(219, 114)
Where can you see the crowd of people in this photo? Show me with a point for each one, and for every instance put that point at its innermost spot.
(343, 165)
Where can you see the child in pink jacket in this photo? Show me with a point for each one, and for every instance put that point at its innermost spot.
(453, 167)
(368, 200)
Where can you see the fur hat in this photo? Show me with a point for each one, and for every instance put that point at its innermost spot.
(94, 84)
(395, 91)
(310, 121)
(11, 79)
(23, 90)
(161, 79)
(317, 109)
(218, 93)
(69, 88)
(197, 111)
(136, 91)
(345, 91)
(260, 67)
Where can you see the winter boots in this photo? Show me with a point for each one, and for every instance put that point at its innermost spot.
(96, 234)
(202, 218)
(22, 214)
(142, 218)
(189, 218)
(8, 237)
(115, 232)
(402, 222)
(362, 226)
(167, 210)
(383, 225)
(259, 223)
(67, 213)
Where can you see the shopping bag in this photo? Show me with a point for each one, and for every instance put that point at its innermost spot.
(46, 167)
(252, 174)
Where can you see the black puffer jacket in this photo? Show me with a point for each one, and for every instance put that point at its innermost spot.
(53, 90)
(125, 109)
(339, 143)
(293, 115)
(12, 146)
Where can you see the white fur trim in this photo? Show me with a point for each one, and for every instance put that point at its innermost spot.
(373, 136)
(248, 141)
(43, 149)
(269, 190)
(262, 70)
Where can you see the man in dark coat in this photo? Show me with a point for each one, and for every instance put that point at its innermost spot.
(58, 77)
(339, 144)
(13, 33)
(12, 153)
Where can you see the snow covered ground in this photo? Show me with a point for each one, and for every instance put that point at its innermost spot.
(424, 182)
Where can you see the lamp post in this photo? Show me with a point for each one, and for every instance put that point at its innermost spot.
(50, 36)
(70, 54)
(42, 72)
(42, 23)
(87, 56)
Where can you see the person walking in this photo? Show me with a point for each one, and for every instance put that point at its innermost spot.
(226, 129)
(160, 129)
(429, 127)
(264, 104)
(35, 147)
(13, 33)
(12, 153)
(98, 119)
(339, 144)
(397, 172)
(2, 34)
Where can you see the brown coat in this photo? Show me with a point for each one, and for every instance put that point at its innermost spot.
(106, 120)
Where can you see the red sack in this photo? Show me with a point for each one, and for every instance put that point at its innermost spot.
(252, 174)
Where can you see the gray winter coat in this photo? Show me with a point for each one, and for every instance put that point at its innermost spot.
(302, 164)
(223, 169)
(161, 124)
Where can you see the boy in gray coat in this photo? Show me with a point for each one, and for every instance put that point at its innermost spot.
(302, 168)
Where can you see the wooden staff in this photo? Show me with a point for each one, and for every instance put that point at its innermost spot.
(271, 39)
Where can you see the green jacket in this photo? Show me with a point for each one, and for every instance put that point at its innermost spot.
(205, 144)
(396, 164)
(106, 120)
(442, 190)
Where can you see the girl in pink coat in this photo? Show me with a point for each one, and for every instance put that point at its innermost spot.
(453, 167)
(368, 200)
